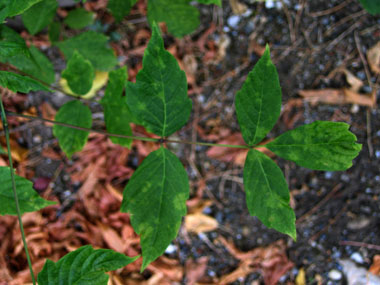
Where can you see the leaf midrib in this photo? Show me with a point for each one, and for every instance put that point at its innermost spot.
(161, 198)
(304, 145)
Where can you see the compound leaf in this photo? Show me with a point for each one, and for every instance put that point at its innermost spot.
(19, 83)
(39, 15)
(267, 193)
(156, 197)
(116, 112)
(180, 17)
(79, 74)
(320, 145)
(372, 6)
(216, 2)
(258, 102)
(92, 46)
(28, 198)
(159, 96)
(73, 113)
(83, 266)
(120, 8)
(79, 18)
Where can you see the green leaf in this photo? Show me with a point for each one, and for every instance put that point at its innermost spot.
(268, 194)
(83, 266)
(19, 83)
(258, 102)
(28, 198)
(120, 8)
(17, 7)
(77, 114)
(54, 31)
(11, 43)
(156, 197)
(180, 17)
(79, 74)
(79, 18)
(39, 15)
(93, 46)
(216, 2)
(320, 145)
(372, 6)
(36, 65)
(116, 112)
(159, 96)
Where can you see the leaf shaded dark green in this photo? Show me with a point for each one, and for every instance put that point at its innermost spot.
(216, 2)
(120, 8)
(258, 102)
(180, 17)
(156, 197)
(92, 46)
(29, 200)
(79, 74)
(19, 83)
(116, 112)
(17, 7)
(83, 266)
(11, 43)
(267, 193)
(320, 145)
(77, 114)
(159, 97)
(79, 18)
(39, 15)
(372, 6)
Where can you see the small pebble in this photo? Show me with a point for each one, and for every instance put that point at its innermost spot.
(335, 275)
(171, 249)
(357, 257)
(37, 139)
(269, 4)
(233, 21)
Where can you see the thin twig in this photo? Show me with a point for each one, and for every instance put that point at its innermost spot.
(158, 140)
(290, 22)
(360, 244)
(5, 127)
(319, 204)
(331, 10)
(373, 89)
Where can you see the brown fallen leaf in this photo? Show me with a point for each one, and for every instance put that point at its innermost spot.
(200, 223)
(354, 82)
(237, 7)
(195, 269)
(373, 56)
(271, 261)
(337, 97)
(375, 267)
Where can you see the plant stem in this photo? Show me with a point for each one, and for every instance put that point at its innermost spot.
(5, 126)
(158, 140)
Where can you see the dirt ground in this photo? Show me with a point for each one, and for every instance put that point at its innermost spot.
(316, 45)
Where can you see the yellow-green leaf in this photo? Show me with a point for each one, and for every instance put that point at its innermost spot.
(156, 197)
(258, 102)
(268, 194)
(158, 99)
(321, 145)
